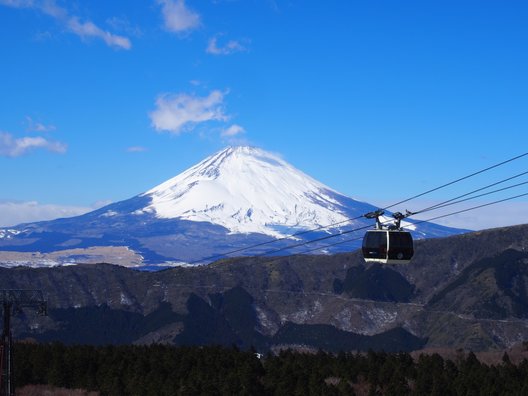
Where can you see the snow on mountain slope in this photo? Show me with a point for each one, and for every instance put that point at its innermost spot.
(246, 190)
(8, 233)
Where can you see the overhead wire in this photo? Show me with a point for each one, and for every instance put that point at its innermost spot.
(275, 240)
(431, 208)
(460, 179)
(320, 239)
(435, 207)
(420, 221)
(312, 241)
(470, 198)
(442, 204)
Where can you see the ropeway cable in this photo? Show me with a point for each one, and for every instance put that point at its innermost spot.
(275, 240)
(389, 221)
(225, 254)
(470, 198)
(460, 179)
(445, 203)
(417, 222)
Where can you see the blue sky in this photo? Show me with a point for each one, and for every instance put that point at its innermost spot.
(102, 100)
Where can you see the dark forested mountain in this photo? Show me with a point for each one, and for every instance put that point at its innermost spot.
(466, 291)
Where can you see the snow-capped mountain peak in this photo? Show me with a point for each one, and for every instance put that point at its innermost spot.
(246, 189)
(237, 199)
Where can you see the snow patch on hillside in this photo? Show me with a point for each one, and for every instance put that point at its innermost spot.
(8, 233)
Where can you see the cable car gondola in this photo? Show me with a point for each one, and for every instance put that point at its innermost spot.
(387, 245)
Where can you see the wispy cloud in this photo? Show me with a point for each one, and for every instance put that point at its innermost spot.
(13, 213)
(233, 130)
(177, 113)
(136, 149)
(177, 17)
(15, 147)
(84, 29)
(228, 48)
(35, 126)
(18, 3)
(89, 29)
(123, 25)
(273, 5)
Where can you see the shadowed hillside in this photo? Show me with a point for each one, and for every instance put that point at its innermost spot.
(465, 291)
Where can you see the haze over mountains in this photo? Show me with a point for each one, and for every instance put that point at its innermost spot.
(238, 197)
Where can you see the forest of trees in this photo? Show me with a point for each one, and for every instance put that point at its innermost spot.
(167, 370)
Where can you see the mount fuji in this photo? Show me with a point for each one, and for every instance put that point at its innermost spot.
(237, 198)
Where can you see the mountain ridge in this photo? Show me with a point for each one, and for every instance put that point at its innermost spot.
(272, 301)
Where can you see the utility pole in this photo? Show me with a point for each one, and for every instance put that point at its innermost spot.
(13, 301)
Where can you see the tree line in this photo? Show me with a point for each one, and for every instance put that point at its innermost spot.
(214, 370)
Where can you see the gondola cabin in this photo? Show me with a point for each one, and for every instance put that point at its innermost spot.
(388, 246)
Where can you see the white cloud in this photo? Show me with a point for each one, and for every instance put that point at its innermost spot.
(13, 147)
(35, 126)
(136, 149)
(73, 23)
(13, 213)
(177, 113)
(230, 47)
(233, 130)
(89, 29)
(177, 17)
(123, 25)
